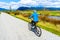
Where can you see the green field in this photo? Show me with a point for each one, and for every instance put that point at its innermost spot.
(45, 25)
(53, 13)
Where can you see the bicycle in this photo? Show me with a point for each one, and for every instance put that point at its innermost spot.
(36, 29)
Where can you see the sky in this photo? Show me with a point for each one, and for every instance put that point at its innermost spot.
(29, 3)
(9, 1)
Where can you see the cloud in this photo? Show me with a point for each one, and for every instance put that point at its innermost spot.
(54, 0)
(29, 3)
(50, 3)
(45, 3)
(4, 5)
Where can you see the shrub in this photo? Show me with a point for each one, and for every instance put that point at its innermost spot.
(50, 20)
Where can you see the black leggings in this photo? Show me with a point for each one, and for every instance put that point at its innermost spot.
(33, 23)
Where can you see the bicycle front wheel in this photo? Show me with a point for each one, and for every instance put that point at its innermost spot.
(38, 31)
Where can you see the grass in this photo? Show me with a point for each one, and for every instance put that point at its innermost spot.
(0, 12)
(47, 26)
(52, 13)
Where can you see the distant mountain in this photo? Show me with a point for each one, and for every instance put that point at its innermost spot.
(37, 8)
(30, 8)
(52, 8)
(23, 8)
(2, 9)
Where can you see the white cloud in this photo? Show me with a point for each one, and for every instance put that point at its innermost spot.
(54, 0)
(50, 3)
(4, 5)
(29, 3)
(14, 5)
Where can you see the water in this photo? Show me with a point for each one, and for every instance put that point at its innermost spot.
(54, 17)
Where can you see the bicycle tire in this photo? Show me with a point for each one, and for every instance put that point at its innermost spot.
(29, 26)
(38, 33)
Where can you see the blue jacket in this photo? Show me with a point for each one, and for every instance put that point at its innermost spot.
(34, 16)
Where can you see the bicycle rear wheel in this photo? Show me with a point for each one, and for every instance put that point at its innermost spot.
(29, 26)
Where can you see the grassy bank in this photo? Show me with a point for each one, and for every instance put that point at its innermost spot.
(45, 25)
(51, 13)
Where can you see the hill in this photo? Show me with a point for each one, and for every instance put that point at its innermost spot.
(37, 8)
(1, 9)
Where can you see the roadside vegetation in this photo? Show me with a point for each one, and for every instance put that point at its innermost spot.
(46, 23)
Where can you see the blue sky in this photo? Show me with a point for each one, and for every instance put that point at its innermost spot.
(29, 3)
(9, 1)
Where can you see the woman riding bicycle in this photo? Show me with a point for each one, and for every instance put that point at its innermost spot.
(34, 16)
